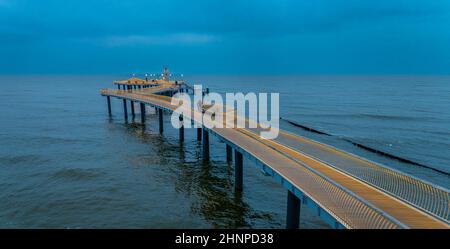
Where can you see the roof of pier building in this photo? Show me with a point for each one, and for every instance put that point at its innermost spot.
(134, 80)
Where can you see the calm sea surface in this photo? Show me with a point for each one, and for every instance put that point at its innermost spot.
(65, 164)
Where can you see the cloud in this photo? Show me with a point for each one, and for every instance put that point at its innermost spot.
(163, 39)
(257, 34)
(72, 18)
(5, 3)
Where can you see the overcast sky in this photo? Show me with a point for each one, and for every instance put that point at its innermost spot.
(225, 37)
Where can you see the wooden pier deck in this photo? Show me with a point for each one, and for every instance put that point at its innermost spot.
(346, 191)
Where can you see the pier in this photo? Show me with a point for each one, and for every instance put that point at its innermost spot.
(344, 190)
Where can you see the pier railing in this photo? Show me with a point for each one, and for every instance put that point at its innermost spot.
(429, 197)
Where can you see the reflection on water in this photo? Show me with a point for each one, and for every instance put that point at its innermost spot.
(209, 184)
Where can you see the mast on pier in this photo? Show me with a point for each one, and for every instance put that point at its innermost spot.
(165, 74)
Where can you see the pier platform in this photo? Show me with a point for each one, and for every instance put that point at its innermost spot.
(345, 190)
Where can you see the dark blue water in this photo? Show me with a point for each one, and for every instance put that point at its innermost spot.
(65, 164)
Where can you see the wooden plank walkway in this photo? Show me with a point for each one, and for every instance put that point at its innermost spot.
(327, 175)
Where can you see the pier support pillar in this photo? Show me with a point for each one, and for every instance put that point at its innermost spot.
(108, 99)
(199, 134)
(229, 153)
(132, 108)
(161, 121)
(142, 112)
(118, 87)
(181, 129)
(124, 87)
(205, 145)
(238, 170)
(125, 111)
(293, 211)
